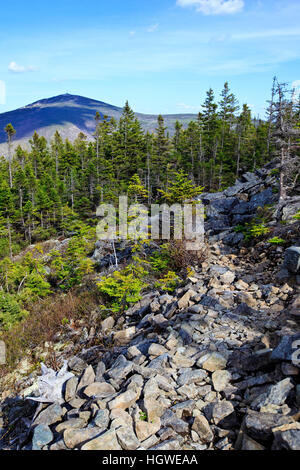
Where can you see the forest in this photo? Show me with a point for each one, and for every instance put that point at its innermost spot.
(53, 190)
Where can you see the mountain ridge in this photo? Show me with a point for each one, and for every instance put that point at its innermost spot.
(70, 114)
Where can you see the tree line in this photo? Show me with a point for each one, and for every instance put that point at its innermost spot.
(48, 189)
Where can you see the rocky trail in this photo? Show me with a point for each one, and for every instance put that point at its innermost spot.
(214, 366)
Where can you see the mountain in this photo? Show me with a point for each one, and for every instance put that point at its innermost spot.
(70, 114)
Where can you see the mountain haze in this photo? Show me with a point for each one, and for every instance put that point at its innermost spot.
(70, 114)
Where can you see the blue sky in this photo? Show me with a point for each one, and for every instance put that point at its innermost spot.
(161, 55)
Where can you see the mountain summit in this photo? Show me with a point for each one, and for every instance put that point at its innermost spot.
(70, 114)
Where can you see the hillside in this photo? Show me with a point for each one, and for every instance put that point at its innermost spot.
(70, 114)
(208, 365)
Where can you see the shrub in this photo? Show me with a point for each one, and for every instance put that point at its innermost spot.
(11, 311)
(168, 282)
(180, 189)
(69, 268)
(252, 230)
(123, 287)
(297, 216)
(276, 241)
(160, 260)
(180, 258)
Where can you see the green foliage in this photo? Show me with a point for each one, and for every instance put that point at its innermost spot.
(69, 268)
(297, 216)
(143, 416)
(252, 230)
(137, 190)
(11, 311)
(123, 287)
(160, 259)
(276, 241)
(180, 189)
(168, 282)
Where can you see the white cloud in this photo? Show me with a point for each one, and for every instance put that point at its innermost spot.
(214, 7)
(16, 68)
(153, 28)
(132, 33)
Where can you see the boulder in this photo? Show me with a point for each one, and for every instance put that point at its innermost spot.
(42, 436)
(107, 441)
(292, 259)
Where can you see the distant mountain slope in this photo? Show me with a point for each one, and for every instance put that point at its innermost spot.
(70, 114)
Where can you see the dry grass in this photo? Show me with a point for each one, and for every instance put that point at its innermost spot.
(181, 258)
(47, 319)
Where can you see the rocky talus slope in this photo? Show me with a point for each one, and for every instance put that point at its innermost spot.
(215, 365)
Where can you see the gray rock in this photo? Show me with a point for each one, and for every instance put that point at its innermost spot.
(202, 428)
(184, 409)
(120, 369)
(88, 377)
(73, 423)
(287, 437)
(101, 419)
(277, 394)
(212, 361)
(75, 437)
(127, 438)
(71, 387)
(99, 390)
(221, 379)
(51, 415)
(223, 414)
(107, 441)
(77, 364)
(42, 436)
(171, 444)
(186, 333)
(292, 259)
(169, 419)
(190, 376)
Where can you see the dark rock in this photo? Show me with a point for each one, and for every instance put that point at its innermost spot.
(292, 259)
(259, 425)
(218, 224)
(186, 333)
(244, 309)
(233, 239)
(287, 350)
(242, 208)
(261, 199)
(210, 302)
(221, 206)
(169, 419)
(287, 437)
